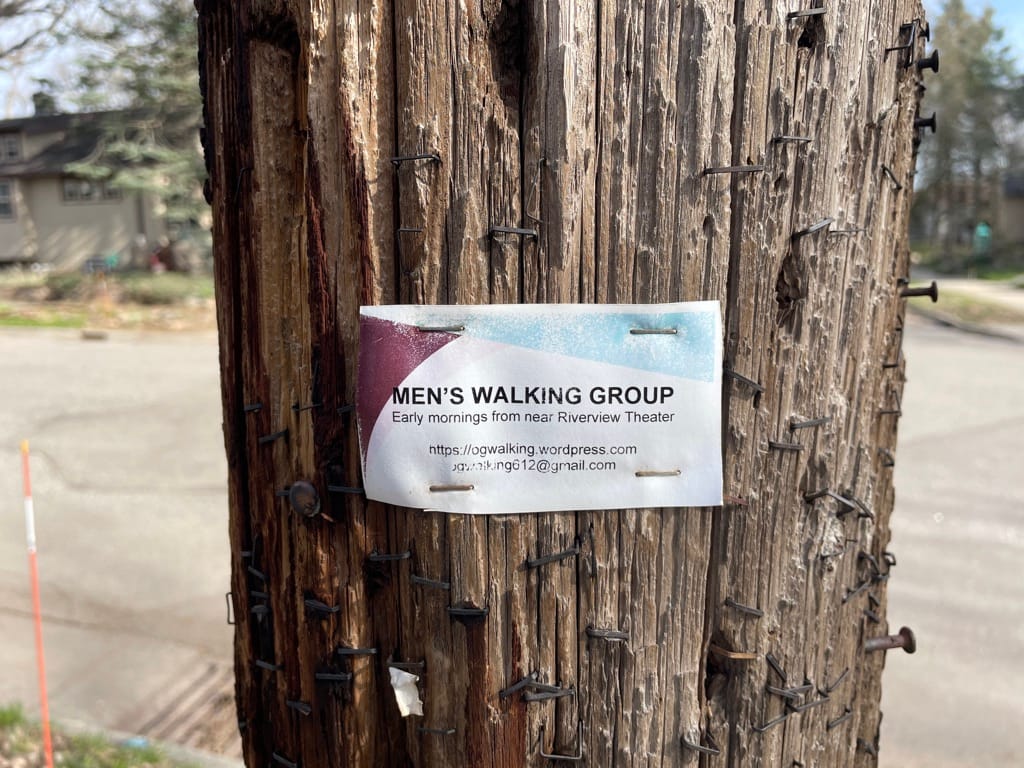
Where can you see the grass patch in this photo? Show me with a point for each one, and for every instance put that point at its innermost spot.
(40, 317)
(975, 310)
(23, 739)
(163, 289)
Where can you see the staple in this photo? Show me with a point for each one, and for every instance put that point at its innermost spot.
(440, 328)
(345, 409)
(658, 472)
(815, 227)
(283, 493)
(283, 761)
(839, 720)
(316, 606)
(409, 666)
(838, 681)
(896, 364)
(805, 12)
(379, 557)
(424, 582)
(609, 635)
(556, 693)
(468, 613)
(344, 489)
(771, 723)
(873, 617)
(245, 553)
(299, 706)
(300, 408)
(870, 560)
(808, 705)
(436, 731)
(735, 501)
(733, 169)
(553, 558)
(252, 408)
(784, 139)
(890, 412)
(273, 436)
(229, 598)
(710, 749)
(868, 747)
(850, 231)
(756, 612)
(758, 388)
(260, 610)
(343, 651)
(256, 595)
(526, 682)
(888, 460)
(520, 231)
(776, 667)
(406, 230)
(850, 505)
(333, 677)
(892, 177)
(258, 574)
(268, 665)
(774, 444)
(787, 693)
(794, 425)
(238, 183)
(889, 558)
(452, 488)
(734, 655)
(431, 156)
(654, 331)
(875, 602)
(577, 758)
(852, 593)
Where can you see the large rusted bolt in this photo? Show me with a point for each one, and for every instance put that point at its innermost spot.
(905, 640)
(304, 498)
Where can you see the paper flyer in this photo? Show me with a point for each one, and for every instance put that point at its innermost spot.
(503, 409)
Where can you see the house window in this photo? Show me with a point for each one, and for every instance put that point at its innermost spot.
(6, 200)
(10, 148)
(86, 191)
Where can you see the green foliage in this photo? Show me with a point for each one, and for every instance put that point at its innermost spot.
(164, 289)
(143, 59)
(64, 285)
(11, 715)
(978, 98)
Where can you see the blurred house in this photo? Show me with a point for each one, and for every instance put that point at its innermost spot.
(49, 216)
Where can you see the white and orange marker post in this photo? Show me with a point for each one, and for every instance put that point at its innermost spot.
(37, 613)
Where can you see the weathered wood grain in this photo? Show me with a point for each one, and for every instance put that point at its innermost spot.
(362, 153)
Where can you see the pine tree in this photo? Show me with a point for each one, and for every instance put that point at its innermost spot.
(143, 64)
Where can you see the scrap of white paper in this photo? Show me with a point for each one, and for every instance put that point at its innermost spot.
(406, 693)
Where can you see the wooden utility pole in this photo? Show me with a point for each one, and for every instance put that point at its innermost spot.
(759, 154)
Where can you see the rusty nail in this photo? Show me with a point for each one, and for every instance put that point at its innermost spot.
(931, 291)
(926, 122)
(904, 639)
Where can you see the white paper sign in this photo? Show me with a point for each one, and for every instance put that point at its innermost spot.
(528, 408)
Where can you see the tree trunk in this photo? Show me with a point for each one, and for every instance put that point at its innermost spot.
(662, 151)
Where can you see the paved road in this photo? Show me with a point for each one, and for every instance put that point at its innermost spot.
(958, 533)
(129, 489)
(130, 497)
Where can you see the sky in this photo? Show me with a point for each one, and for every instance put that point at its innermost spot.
(16, 89)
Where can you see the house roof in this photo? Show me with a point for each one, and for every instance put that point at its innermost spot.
(75, 137)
